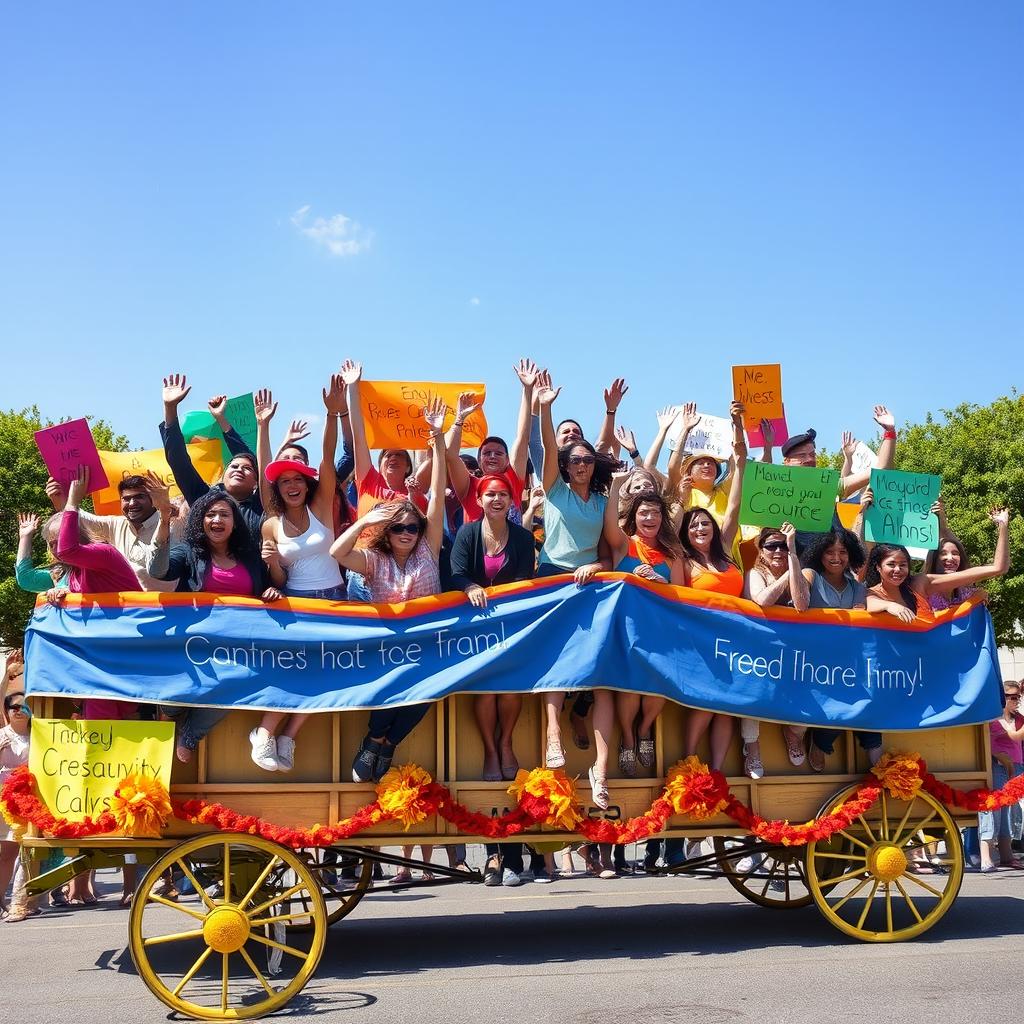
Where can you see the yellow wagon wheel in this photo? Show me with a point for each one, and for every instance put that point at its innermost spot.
(770, 876)
(224, 952)
(340, 894)
(880, 892)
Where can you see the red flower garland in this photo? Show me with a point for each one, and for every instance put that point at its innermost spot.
(693, 785)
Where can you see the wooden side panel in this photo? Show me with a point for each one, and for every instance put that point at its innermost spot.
(466, 743)
(228, 751)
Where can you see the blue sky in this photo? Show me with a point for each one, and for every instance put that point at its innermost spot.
(655, 191)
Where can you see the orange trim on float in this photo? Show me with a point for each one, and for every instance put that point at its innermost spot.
(443, 602)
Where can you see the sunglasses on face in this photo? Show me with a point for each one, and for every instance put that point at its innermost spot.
(17, 707)
(775, 545)
(1012, 696)
(581, 460)
(410, 528)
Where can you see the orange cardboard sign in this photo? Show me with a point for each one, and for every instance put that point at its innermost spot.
(759, 388)
(393, 412)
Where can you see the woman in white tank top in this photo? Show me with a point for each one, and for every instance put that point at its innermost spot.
(297, 550)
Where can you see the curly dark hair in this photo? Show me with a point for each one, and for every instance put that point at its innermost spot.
(666, 541)
(277, 505)
(719, 559)
(873, 576)
(813, 553)
(604, 465)
(240, 543)
(381, 538)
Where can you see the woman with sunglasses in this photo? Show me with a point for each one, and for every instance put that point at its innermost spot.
(576, 479)
(774, 579)
(13, 754)
(1006, 733)
(399, 564)
(296, 549)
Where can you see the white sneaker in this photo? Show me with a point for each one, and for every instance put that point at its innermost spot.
(264, 750)
(510, 879)
(285, 753)
(693, 848)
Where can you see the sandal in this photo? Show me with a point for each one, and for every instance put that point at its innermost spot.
(598, 789)
(645, 751)
(752, 766)
(627, 761)
(401, 875)
(815, 757)
(554, 756)
(794, 747)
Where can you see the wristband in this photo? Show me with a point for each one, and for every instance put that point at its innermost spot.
(458, 423)
(609, 412)
(342, 415)
(889, 435)
(635, 453)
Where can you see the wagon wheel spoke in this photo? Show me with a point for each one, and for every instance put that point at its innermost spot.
(771, 874)
(278, 945)
(159, 940)
(274, 860)
(255, 970)
(859, 857)
(898, 831)
(927, 819)
(883, 826)
(276, 899)
(849, 896)
(867, 828)
(910, 902)
(227, 872)
(200, 889)
(888, 907)
(856, 873)
(257, 922)
(191, 973)
(153, 898)
(853, 839)
(924, 885)
(867, 905)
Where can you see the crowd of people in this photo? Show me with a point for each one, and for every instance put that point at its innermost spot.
(340, 526)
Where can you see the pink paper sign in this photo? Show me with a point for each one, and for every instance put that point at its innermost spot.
(66, 446)
(756, 439)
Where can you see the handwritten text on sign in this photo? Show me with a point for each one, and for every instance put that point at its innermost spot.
(78, 764)
(393, 412)
(759, 388)
(66, 446)
(118, 466)
(712, 436)
(803, 496)
(901, 512)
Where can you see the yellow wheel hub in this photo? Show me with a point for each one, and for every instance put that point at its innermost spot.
(226, 929)
(887, 862)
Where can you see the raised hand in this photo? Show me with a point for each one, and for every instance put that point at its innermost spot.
(736, 411)
(351, 373)
(28, 523)
(867, 498)
(263, 405)
(526, 371)
(379, 514)
(546, 393)
(1000, 516)
(160, 493)
(79, 487)
(217, 405)
(684, 488)
(690, 416)
(176, 389)
(297, 430)
(939, 508)
(768, 433)
(788, 530)
(614, 394)
(54, 492)
(434, 412)
(466, 404)
(626, 438)
(849, 443)
(667, 416)
(335, 399)
(884, 418)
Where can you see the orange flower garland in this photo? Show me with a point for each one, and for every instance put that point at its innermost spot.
(408, 795)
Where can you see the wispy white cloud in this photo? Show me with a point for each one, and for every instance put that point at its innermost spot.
(338, 234)
(475, 301)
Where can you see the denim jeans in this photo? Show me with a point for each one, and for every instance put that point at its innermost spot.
(192, 724)
(825, 739)
(394, 724)
(511, 855)
(996, 824)
(337, 593)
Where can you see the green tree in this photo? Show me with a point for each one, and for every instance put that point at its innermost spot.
(22, 489)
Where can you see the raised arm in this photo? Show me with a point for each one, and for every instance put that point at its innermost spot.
(731, 519)
(690, 418)
(344, 549)
(666, 417)
(461, 480)
(886, 452)
(335, 404)
(615, 537)
(70, 548)
(768, 436)
(627, 439)
(237, 444)
(612, 397)
(546, 395)
(264, 407)
(190, 483)
(938, 509)
(433, 415)
(945, 583)
(351, 374)
(526, 371)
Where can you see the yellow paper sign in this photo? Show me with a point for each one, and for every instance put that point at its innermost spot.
(77, 764)
(393, 412)
(205, 455)
(759, 388)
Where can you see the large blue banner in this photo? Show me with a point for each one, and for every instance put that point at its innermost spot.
(722, 654)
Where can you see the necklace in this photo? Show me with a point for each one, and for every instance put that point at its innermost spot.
(492, 546)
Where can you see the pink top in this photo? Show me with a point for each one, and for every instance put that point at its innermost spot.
(388, 584)
(235, 581)
(493, 564)
(95, 568)
(1001, 742)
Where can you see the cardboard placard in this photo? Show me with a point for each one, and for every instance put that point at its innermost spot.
(66, 446)
(77, 764)
(205, 456)
(759, 388)
(901, 512)
(393, 412)
(802, 495)
(713, 434)
(755, 438)
(238, 411)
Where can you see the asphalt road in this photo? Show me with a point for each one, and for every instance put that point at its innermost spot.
(579, 951)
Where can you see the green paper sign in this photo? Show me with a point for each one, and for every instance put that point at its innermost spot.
(238, 412)
(801, 495)
(901, 512)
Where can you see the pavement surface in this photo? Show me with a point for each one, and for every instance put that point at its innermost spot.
(665, 950)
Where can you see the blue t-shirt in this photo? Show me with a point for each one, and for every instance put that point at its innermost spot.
(572, 527)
